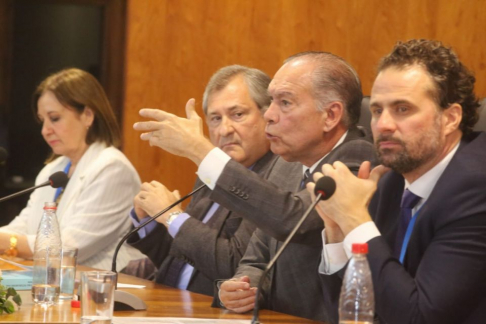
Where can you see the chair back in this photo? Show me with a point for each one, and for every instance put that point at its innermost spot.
(365, 118)
(481, 124)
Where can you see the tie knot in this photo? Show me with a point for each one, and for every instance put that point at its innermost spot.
(409, 199)
(305, 179)
(307, 174)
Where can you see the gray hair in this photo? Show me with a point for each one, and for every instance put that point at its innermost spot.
(256, 80)
(334, 79)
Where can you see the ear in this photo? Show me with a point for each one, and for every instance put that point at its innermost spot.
(451, 118)
(332, 116)
(88, 116)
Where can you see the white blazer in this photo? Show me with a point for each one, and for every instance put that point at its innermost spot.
(92, 213)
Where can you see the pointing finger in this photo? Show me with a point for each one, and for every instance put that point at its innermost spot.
(147, 125)
(156, 114)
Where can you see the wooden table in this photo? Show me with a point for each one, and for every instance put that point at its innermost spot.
(162, 301)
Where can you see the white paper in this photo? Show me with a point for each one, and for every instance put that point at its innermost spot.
(124, 285)
(175, 320)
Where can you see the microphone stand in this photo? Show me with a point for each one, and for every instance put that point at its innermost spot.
(255, 319)
(56, 180)
(324, 189)
(24, 191)
(123, 299)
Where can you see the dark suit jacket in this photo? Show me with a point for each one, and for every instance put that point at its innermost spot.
(213, 249)
(443, 279)
(275, 206)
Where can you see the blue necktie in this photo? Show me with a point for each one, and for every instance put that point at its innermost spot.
(305, 179)
(409, 200)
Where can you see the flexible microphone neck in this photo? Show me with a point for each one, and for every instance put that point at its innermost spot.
(136, 229)
(125, 300)
(56, 180)
(24, 191)
(255, 319)
(324, 189)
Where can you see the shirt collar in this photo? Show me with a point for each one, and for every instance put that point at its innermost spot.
(424, 185)
(314, 166)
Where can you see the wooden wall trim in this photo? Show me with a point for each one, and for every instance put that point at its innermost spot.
(173, 47)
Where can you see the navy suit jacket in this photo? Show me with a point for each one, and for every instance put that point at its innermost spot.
(443, 278)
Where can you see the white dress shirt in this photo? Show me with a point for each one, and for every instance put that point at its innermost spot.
(336, 255)
(214, 162)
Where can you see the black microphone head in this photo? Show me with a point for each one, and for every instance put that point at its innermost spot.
(58, 179)
(326, 187)
(3, 154)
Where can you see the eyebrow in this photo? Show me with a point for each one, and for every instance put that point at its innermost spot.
(284, 93)
(48, 113)
(393, 103)
(234, 107)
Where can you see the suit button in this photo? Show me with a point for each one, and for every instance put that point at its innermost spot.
(232, 189)
(245, 197)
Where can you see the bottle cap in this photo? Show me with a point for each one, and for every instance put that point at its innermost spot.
(50, 205)
(360, 248)
(75, 303)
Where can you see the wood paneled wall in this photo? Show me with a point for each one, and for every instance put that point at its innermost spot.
(173, 47)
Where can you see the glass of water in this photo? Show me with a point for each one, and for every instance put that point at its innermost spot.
(97, 296)
(68, 272)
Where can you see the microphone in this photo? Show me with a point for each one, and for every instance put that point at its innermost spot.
(123, 299)
(3, 155)
(323, 190)
(56, 180)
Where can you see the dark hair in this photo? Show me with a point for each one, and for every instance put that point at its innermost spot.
(256, 80)
(334, 79)
(77, 89)
(453, 82)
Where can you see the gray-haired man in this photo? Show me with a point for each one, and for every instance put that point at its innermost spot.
(206, 241)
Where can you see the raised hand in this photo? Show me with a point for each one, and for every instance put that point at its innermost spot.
(180, 136)
(348, 207)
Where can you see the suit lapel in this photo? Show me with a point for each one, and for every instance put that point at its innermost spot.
(76, 181)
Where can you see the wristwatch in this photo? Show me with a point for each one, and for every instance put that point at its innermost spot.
(171, 217)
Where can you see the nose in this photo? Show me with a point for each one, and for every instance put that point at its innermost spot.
(46, 128)
(271, 115)
(384, 123)
(226, 127)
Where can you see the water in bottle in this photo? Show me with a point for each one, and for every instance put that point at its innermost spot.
(47, 259)
(357, 301)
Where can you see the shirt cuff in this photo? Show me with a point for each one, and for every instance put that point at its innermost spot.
(361, 234)
(147, 229)
(334, 257)
(212, 166)
(176, 223)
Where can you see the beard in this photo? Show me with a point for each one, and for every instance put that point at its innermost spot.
(414, 153)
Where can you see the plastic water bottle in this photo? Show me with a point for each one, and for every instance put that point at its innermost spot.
(357, 301)
(47, 259)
